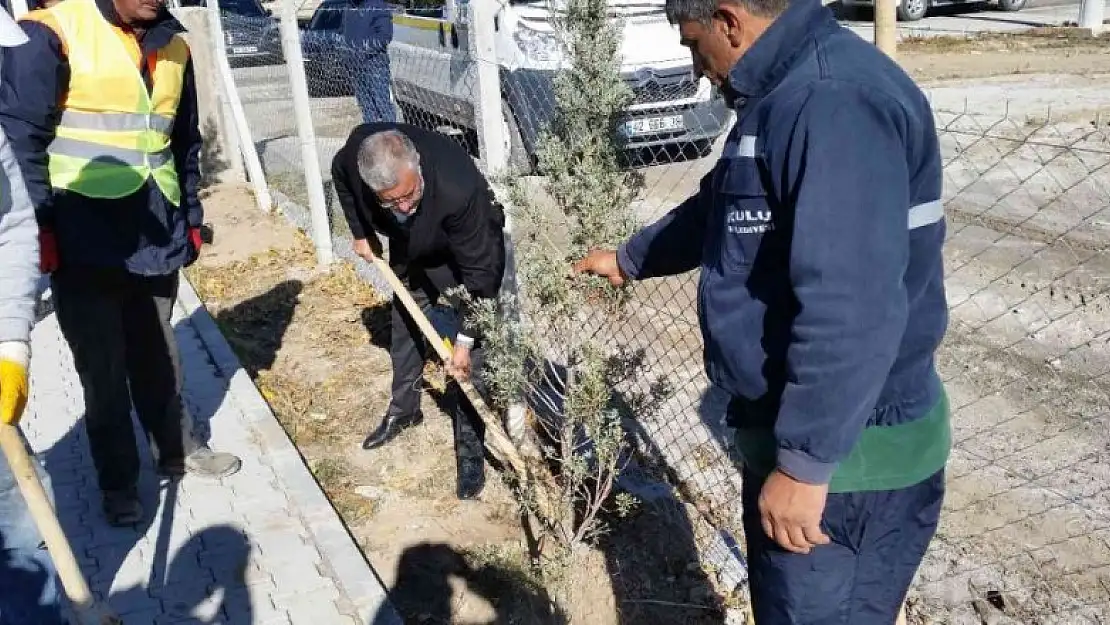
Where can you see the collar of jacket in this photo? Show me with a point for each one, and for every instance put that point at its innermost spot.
(159, 31)
(767, 61)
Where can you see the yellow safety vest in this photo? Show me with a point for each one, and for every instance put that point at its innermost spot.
(114, 134)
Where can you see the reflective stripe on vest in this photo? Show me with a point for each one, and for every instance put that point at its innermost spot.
(114, 133)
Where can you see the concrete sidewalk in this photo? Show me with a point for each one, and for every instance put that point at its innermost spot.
(261, 547)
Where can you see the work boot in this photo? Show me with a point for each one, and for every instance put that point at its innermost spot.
(390, 427)
(202, 463)
(122, 507)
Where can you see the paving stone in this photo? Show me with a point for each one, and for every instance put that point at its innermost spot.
(236, 551)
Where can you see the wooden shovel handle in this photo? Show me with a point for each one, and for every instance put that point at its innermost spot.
(501, 445)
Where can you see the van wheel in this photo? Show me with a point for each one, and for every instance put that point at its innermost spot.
(519, 161)
(1011, 5)
(912, 10)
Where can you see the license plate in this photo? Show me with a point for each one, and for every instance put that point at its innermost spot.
(654, 125)
(244, 49)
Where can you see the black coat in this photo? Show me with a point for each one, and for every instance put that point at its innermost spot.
(455, 236)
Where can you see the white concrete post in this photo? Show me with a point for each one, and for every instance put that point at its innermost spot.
(493, 144)
(1091, 15)
(314, 181)
(19, 8)
(233, 108)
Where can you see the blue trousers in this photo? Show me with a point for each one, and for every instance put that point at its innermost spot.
(370, 72)
(861, 578)
(28, 581)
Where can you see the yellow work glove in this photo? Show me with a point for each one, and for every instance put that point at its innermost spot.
(14, 357)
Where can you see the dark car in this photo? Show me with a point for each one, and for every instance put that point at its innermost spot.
(250, 31)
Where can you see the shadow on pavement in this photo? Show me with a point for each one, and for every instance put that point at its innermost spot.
(203, 580)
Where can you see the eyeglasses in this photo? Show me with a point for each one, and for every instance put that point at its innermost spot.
(408, 198)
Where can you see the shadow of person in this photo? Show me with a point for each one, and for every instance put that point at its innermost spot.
(377, 321)
(423, 591)
(206, 582)
(256, 327)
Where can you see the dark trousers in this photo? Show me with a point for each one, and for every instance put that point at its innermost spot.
(408, 350)
(118, 327)
(861, 578)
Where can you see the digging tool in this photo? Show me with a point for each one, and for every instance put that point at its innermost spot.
(23, 468)
(497, 441)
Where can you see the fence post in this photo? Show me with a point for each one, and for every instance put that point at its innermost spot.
(233, 107)
(886, 26)
(1091, 15)
(493, 146)
(314, 182)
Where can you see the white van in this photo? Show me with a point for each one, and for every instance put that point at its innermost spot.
(434, 81)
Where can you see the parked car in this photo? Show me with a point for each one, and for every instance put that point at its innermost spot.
(913, 10)
(250, 32)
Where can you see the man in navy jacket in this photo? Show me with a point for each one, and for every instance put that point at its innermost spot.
(821, 301)
(367, 31)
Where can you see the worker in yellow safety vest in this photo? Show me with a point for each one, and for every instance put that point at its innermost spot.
(106, 89)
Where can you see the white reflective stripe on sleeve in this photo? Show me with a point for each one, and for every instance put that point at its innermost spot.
(926, 214)
(746, 147)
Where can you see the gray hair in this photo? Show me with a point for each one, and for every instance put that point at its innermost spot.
(703, 10)
(383, 156)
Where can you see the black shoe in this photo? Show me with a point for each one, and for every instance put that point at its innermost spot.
(122, 507)
(389, 428)
(471, 478)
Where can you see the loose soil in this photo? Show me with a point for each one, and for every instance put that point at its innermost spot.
(314, 343)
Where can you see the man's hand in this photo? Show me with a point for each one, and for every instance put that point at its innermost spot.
(13, 381)
(602, 263)
(459, 366)
(791, 512)
(362, 248)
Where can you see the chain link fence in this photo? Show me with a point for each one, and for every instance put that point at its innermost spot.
(1026, 534)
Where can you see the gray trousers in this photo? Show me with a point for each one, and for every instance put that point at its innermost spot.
(118, 327)
(408, 351)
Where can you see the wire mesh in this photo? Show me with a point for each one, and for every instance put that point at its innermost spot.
(1026, 361)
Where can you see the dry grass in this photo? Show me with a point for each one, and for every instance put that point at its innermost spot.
(1055, 38)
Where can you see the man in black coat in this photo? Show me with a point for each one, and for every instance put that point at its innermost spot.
(423, 192)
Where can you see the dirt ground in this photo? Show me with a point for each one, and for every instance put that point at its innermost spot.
(1050, 51)
(315, 346)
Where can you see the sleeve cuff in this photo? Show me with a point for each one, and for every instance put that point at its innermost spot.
(624, 260)
(463, 340)
(805, 468)
(16, 351)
